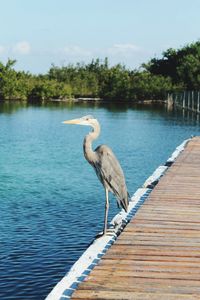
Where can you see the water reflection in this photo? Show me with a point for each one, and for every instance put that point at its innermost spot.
(9, 107)
(180, 116)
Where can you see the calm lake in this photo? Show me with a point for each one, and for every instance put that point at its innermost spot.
(52, 204)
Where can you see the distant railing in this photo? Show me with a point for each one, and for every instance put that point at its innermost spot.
(189, 100)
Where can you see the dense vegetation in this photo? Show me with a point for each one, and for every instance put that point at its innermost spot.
(176, 70)
(182, 66)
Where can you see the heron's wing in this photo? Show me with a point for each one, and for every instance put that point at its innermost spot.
(111, 174)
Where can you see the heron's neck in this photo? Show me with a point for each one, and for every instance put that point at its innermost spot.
(90, 155)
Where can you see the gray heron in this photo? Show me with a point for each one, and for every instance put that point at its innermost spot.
(105, 164)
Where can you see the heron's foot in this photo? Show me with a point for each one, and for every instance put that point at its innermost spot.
(109, 231)
(100, 234)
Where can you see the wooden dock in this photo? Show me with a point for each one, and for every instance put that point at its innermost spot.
(157, 256)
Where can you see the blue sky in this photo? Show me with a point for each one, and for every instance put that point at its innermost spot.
(40, 32)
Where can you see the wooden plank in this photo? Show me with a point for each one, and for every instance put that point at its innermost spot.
(158, 254)
(148, 257)
(141, 284)
(114, 295)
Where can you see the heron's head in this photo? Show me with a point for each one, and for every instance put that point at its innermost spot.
(86, 120)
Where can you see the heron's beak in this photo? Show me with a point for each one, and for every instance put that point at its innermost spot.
(74, 121)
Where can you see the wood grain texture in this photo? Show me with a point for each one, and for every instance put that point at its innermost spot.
(157, 256)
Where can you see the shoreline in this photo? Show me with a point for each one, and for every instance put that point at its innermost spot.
(86, 100)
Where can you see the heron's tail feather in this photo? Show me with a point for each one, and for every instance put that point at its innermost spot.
(124, 202)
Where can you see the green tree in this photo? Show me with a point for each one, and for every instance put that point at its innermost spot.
(182, 66)
(145, 86)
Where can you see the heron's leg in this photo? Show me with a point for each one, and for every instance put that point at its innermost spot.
(106, 212)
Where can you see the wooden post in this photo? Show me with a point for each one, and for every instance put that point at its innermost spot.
(192, 100)
(198, 102)
(184, 100)
(188, 100)
(170, 101)
(175, 100)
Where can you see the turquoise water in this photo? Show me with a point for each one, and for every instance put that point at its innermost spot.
(52, 204)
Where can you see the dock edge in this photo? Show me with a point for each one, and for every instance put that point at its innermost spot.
(93, 254)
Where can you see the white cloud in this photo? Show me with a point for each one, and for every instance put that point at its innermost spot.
(123, 49)
(126, 53)
(22, 48)
(76, 51)
(2, 49)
